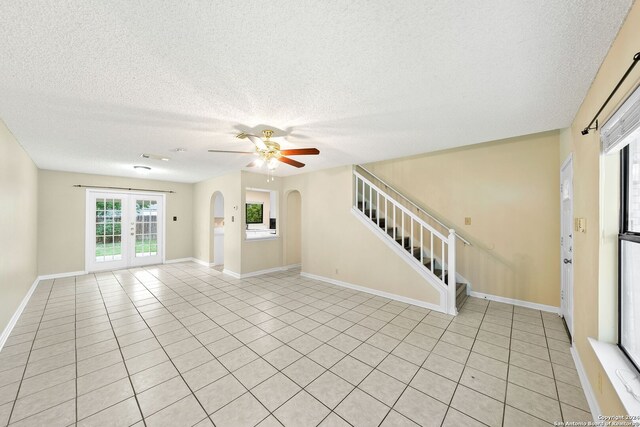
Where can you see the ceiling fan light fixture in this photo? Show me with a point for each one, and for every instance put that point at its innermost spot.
(272, 163)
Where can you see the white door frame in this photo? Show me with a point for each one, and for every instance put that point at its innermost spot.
(90, 222)
(566, 283)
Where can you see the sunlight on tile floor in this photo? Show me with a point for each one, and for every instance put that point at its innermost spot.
(184, 345)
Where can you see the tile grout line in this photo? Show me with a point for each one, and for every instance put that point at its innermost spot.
(444, 331)
(388, 322)
(506, 385)
(553, 372)
(121, 355)
(325, 369)
(44, 309)
(260, 357)
(190, 282)
(165, 352)
(75, 340)
(463, 369)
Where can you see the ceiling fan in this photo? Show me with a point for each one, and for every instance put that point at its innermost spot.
(269, 151)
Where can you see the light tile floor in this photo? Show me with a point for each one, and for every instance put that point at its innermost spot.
(182, 344)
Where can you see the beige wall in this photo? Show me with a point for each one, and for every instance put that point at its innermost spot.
(62, 216)
(18, 224)
(591, 251)
(338, 246)
(509, 189)
(293, 226)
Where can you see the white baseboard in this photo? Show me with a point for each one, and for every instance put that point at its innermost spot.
(292, 266)
(61, 275)
(586, 385)
(520, 303)
(201, 262)
(14, 319)
(260, 272)
(376, 292)
(231, 273)
(177, 260)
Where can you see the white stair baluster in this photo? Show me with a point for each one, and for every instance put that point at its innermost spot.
(421, 245)
(451, 265)
(378, 208)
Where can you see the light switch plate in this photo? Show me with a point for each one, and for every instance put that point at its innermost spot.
(467, 220)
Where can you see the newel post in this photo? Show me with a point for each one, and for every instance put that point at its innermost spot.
(451, 271)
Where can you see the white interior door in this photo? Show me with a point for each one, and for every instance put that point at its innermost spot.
(123, 230)
(566, 242)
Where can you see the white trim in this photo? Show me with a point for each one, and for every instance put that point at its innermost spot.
(376, 292)
(518, 302)
(201, 262)
(261, 239)
(14, 319)
(408, 258)
(612, 359)
(586, 385)
(291, 266)
(61, 275)
(177, 260)
(260, 272)
(231, 273)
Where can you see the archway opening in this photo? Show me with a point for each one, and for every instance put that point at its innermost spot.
(216, 246)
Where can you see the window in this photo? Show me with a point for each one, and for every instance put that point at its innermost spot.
(629, 252)
(254, 213)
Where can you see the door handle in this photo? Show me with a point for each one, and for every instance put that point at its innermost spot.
(567, 261)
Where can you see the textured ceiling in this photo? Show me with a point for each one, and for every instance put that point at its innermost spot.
(88, 86)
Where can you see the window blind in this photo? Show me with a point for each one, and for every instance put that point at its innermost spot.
(623, 127)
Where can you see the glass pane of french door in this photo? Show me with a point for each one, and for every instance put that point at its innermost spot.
(108, 229)
(146, 228)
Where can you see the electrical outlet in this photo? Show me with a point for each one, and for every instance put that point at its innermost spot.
(467, 220)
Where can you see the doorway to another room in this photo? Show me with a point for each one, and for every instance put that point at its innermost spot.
(217, 231)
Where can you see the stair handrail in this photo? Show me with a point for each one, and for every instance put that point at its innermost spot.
(449, 241)
(390, 187)
(403, 208)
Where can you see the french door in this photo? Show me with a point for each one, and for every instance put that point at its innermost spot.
(123, 230)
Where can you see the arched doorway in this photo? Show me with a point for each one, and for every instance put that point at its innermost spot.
(293, 238)
(216, 246)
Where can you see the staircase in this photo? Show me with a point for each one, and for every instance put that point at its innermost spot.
(422, 243)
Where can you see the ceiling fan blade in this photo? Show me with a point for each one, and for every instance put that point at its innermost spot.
(253, 164)
(300, 152)
(257, 142)
(291, 162)
(227, 151)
